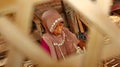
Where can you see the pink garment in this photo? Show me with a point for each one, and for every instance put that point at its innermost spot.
(67, 48)
(50, 19)
(45, 46)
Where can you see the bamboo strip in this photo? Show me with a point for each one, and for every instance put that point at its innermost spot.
(24, 15)
(23, 21)
(15, 59)
(71, 21)
(9, 6)
(6, 3)
(94, 47)
(23, 43)
(8, 10)
(107, 5)
(77, 61)
(98, 18)
(101, 23)
(75, 22)
(39, 1)
(108, 52)
(85, 21)
(27, 53)
(80, 24)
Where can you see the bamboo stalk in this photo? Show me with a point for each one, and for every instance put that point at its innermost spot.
(94, 47)
(23, 43)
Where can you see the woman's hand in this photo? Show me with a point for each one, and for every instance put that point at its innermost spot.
(82, 44)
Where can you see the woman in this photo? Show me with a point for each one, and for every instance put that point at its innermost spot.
(58, 40)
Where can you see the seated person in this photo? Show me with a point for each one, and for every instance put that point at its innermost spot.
(58, 41)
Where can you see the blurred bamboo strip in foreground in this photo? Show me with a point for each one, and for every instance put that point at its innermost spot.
(21, 42)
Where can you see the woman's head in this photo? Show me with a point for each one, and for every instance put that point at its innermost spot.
(58, 29)
(52, 21)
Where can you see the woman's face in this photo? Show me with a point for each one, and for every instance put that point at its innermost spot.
(58, 29)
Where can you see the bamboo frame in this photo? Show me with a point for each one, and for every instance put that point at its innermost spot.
(25, 41)
(99, 23)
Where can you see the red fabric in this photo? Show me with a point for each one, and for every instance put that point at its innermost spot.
(45, 46)
(115, 7)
